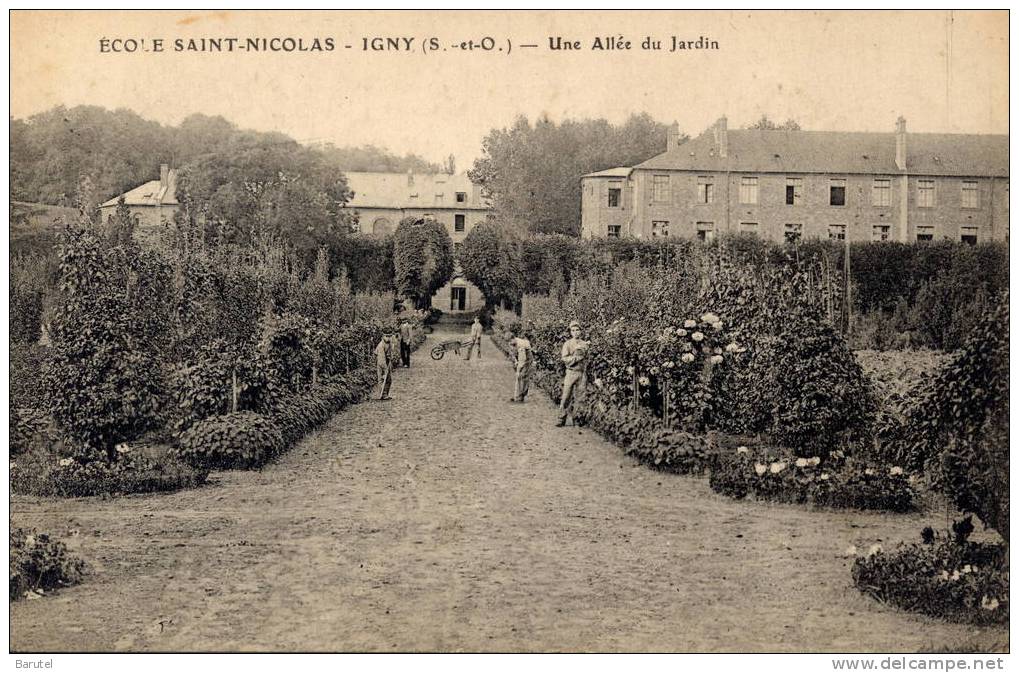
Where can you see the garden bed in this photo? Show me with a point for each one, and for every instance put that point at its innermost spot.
(944, 576)
(775, 474)
(39, 564)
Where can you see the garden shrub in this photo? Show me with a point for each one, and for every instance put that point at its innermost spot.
(422, 258)
(104, 383)
(27, 289)
(957, 427)
(836, 481)
(39, 563)
(945, 576)
(238, 440)
(28, 363)
(820, 397)
(28, 426)
(43, 474)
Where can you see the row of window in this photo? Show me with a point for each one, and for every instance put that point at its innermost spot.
(794, 231)
(461, 197)
(880, 193)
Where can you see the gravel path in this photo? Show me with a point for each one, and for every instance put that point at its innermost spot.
(448, 519)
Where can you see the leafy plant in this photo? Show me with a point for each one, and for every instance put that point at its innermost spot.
(39, 563)
(237, 440)
(422, 258)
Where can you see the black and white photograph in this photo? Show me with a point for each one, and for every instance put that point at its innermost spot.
(517, 331)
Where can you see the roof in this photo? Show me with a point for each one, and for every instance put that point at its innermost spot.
(620, 172)
(412, 190)
(152, 193)
(759, 151)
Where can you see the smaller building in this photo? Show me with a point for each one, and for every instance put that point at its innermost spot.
(151, 204)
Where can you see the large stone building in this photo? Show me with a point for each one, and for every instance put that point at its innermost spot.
(381, 200)
(785, 185)
(151, 204)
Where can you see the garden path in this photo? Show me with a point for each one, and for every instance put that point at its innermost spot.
(448, 519)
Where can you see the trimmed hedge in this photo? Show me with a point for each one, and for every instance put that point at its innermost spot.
(944, 577)
(778, 475)
(241, 440)
(46, 475)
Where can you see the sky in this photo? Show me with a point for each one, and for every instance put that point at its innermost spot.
(854, 71)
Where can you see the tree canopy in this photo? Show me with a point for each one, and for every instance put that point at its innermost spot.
(422, 258)
(765, 124)
(492, 258)
(532, 171)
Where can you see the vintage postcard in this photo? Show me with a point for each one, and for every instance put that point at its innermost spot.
(510, 332)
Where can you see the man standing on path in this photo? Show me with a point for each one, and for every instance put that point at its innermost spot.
(574, 354)
(524, 363)
(406, 338)
(384, 356)
(475, 338)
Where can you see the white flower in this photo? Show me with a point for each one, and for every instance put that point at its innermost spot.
(716, 359)
(629, 370)
(895, 471)
(944, 575)
(989, 603)
(697, 336)
(644, 381)
(874, 549)
(824, 476)
(778, 467)
(669, 365)
(30, 540)
(815, 461)
(869, 472)
(802, 462)
(687, 357)
(654, 370)
(966, 569)
(955, 575)
(64, 462)
(742, 449)
(690, 323)
(13, 466)
(760, 469)
(851, 550)
(732, 348)
(597, 382)
(681, 332)
(709, 318)
(717, 325)
(123, 448)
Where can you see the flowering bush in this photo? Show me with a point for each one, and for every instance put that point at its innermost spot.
(836, 481)
(40, 473)
(39, 564)
(945, 576)
(297, 414)
(237, 440)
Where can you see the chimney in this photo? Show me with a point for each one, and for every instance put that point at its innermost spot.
(410, 178)
(672, 139)
(722, 136)
(164, 174)
(900, 143)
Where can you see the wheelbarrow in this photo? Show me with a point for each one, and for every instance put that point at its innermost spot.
(440, 350)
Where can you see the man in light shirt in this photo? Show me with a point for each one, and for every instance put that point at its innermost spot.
(574, 355)
(524, 364)
(475, 338)
(385, 354)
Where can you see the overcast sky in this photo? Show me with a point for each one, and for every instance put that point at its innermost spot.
(945, 72)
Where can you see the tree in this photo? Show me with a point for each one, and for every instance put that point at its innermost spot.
(532, 172)
(492, 258)
(422, 259)
(765, 124)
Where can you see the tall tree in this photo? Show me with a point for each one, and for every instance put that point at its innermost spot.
(532, 172)
(492, 258)
(422, 258)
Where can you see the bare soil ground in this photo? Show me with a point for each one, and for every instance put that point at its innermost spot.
(448, 519)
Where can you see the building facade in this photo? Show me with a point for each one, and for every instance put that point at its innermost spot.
(787, 185)
(151, 204)
(381, 200)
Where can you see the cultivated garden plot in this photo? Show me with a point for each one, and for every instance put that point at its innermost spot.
(468, 525)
